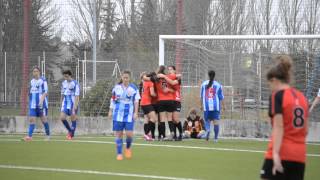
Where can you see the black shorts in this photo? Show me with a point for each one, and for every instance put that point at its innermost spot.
(166, 106)
(155, 107)
(177, 106)
(292, 171)
(147, 109)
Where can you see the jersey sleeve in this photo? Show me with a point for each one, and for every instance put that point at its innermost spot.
(172, 76)
(62, 90)
(45, 87)
(220, 93)
(202, 92)
(77, 90)
(276, 103)
(318, 93)
(111, 106)
(137, 96)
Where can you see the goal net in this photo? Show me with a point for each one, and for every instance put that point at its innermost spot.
(240, 63)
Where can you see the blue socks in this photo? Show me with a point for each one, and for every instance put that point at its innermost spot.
(216, 131)
(207, 126)
(73, 127)
(119, 143)
(31, 128)
(129, 142)
(46, 127)
(66, 124)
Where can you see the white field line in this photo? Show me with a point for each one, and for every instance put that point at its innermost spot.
(138, 137)
(90, 172)
(162, 145)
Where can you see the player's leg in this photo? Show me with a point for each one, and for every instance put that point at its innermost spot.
(63, 119)
(153, 118)
(216, 127)
(32, 124)
(33, 114)
(129, 138)
(146, 128)
(207, 123)
(163, 119)
(74, 119)
(45, 123)
(170, 107)
(176, 119)
(118, 129)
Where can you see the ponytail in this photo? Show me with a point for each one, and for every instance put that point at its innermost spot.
(211, 75)
(282, 70)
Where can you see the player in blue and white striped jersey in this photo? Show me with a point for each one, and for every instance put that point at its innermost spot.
(70, 92)
(125, 104)
(211, 94)
(38, 103)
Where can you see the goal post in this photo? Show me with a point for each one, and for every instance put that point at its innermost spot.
(240, 62)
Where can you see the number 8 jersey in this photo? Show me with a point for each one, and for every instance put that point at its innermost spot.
(293, 106)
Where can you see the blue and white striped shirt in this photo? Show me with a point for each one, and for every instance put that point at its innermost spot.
(37, 88)
(123, 99)
(212, 96)
(69, 89)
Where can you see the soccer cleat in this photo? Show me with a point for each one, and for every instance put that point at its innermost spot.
(147, 137)
(207, 136)
(27, 138)
(215, 141)
(69, 136)
(119, 157)
(47, 138)
(128, 153)
(179, 138)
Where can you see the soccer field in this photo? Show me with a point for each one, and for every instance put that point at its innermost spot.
(94, 158)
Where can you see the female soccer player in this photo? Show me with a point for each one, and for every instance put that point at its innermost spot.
(288, 110)
(38, 103)
(211, 95)
(125, 99)
(175, 81)
(166, 104)
(147, 93)
(70, 92)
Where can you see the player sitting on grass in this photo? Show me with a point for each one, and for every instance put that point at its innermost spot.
(193, 127)
(38, 103)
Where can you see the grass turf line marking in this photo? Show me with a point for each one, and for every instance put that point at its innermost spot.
(90, 172)
(163, 145)
(141, 138)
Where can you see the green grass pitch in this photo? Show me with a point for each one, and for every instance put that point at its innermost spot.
(194, 159)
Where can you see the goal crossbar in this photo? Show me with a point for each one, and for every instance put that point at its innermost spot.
(227, 37)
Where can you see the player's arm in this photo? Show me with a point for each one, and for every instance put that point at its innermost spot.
(110, 108)
(221, 98)
(277, 131)
(77, 97)
(136, 105)
(314, 103)
(201, 97)
(153, 92)
(170, 81)
(146, 78)
(44, 94)
(62, 94)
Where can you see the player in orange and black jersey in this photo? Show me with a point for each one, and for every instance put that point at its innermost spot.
(147, 95)
(288, 110)
(165, 104)
(175, 81)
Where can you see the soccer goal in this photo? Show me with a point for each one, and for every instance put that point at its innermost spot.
(240, 63)
(105, 70)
